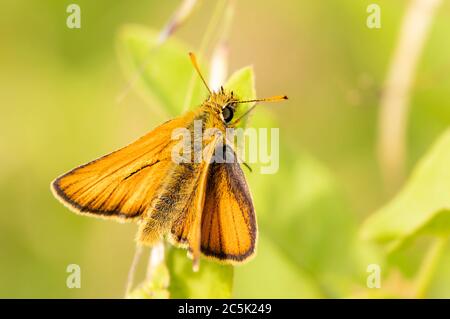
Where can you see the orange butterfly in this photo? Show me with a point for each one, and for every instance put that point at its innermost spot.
(204, 206)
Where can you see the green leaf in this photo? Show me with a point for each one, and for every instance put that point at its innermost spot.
(421, 207)
(439, 286)
(281, 276)
(213, 280)
(303, 215)
(163, 72)
(242, 83)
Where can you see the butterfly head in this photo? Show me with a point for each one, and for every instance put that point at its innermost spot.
(224, 103)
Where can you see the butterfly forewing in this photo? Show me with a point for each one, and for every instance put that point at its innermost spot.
(121, 184)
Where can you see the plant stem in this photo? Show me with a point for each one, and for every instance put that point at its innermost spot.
(429, 265)
(155, 259)
(131, 272)
(395, 100)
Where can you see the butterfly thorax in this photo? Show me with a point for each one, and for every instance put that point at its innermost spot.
(218, 100)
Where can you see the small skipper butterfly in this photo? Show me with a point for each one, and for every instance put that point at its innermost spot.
(203, 206)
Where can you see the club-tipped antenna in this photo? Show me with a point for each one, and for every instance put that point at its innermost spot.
(196, 67)
(268, 99)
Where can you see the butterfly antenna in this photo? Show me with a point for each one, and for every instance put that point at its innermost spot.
(195, 64)
(268, 99)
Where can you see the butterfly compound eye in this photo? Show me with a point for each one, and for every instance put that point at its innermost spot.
(227, 114)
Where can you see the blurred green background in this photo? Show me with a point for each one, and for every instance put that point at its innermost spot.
(58, 90)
